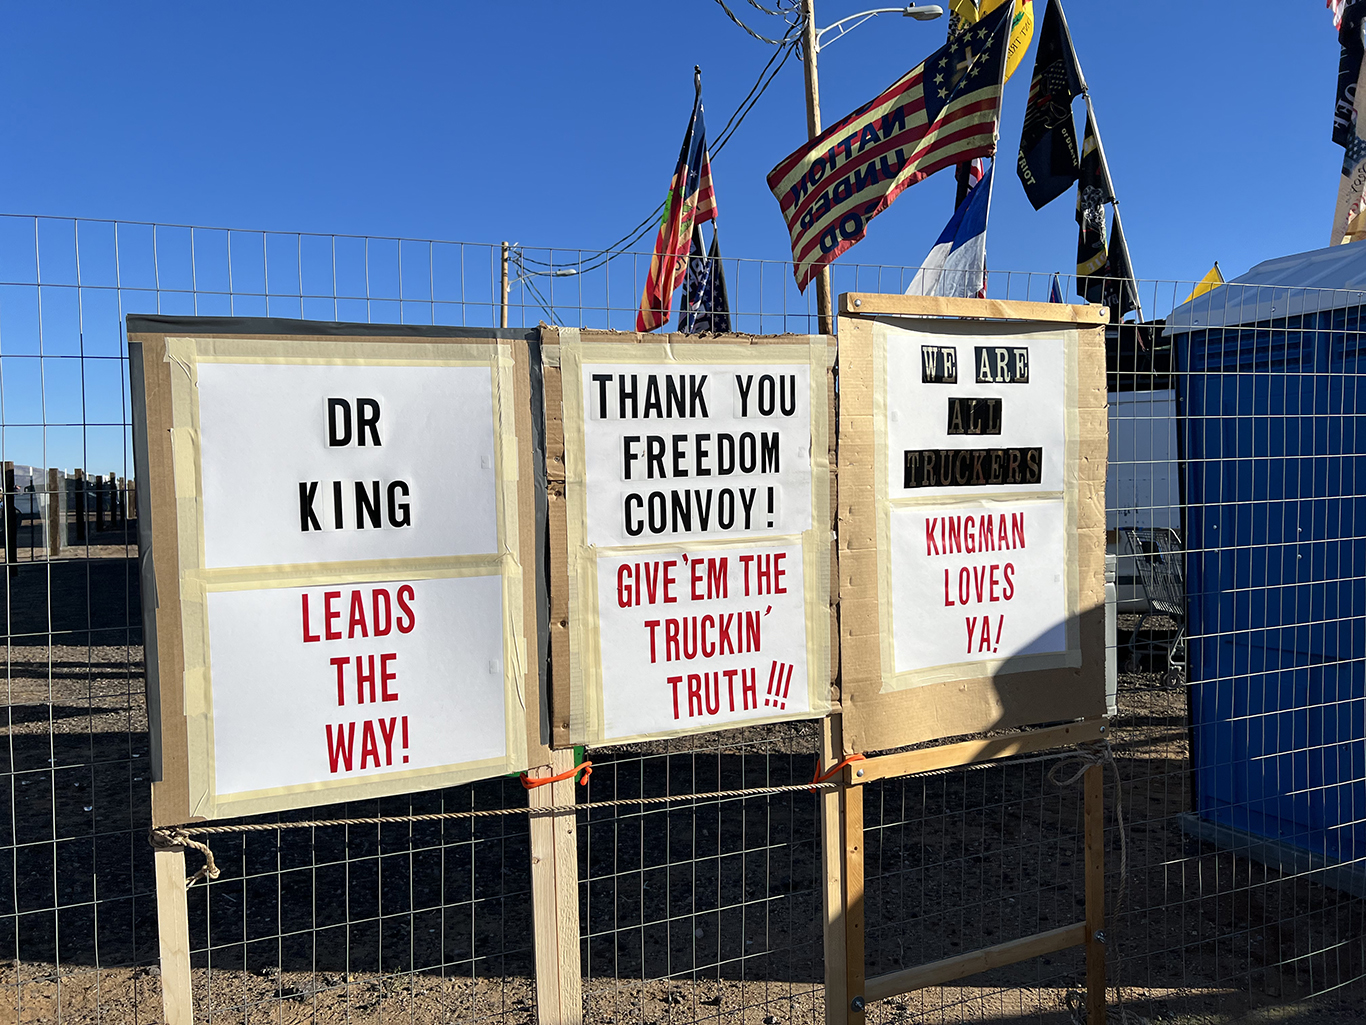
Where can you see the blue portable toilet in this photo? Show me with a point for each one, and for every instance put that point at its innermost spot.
(1271, 374)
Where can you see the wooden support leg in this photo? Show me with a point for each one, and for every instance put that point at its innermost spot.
(1094, 817)
(173, 929)
(853, 904)
(832, 870)
(555, 900)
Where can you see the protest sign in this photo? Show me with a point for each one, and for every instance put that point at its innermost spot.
(337, 520)
(972, 469)
(692, 542)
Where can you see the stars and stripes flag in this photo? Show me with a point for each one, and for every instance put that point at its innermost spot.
(706, 307)
(940, 113)
(691, 202)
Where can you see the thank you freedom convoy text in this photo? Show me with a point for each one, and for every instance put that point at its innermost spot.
(698, 489)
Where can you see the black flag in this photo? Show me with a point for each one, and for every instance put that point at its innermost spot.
(1349, 68)
(705, 306)
(1093, 192)
(1118, 290)
(1048, 163)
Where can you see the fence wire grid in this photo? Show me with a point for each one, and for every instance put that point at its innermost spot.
(1236, 512)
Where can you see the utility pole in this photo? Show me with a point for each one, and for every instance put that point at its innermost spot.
(810, 46)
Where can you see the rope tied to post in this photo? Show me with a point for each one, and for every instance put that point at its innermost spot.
(586, 765)
(1092, 753)
(173, 838)
(820, 778)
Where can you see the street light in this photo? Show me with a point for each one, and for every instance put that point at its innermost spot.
(920, 12)
(811, 45)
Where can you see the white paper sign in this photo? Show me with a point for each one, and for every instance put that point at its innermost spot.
(980, 421)
(702, 640)
(341, 681)
(978, 582)
(965, 414)
(676, 453)
(306, 464)
(710, 452)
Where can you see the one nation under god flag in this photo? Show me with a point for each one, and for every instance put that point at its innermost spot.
(940, 113)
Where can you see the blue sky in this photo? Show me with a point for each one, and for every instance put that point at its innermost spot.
(557, 125)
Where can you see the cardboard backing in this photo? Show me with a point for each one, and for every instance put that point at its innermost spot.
(880, 711)
(573, 613)
(162, 354)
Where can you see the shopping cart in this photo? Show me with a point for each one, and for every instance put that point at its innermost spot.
(1159, 558)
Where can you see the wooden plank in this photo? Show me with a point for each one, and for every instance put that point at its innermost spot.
(56, 505)
(832, 870)
(1094, 825)
(173, 931)
(171, 779)
(853, 905)
(874, 304)
(557, 522)
(555, 901)
(971, 752)
(939, 972)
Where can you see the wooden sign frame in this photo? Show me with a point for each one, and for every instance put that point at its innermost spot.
(880, 709)
(164, 352)
(573, 614)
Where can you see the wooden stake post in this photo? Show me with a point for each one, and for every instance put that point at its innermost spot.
(173, 931)
(943, 401)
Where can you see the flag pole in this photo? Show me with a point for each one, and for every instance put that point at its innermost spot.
(1100, 146)
(810, 46)
(1114, 200)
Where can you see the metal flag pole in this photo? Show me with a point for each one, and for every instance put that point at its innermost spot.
(1100, 150)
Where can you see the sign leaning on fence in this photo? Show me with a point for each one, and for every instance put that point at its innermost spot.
(692, 541)
(972, 478)
(339, 518)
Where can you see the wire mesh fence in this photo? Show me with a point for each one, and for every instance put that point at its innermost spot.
(1238, 882)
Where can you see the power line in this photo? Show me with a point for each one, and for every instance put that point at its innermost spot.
(763, 39)
(601, 257)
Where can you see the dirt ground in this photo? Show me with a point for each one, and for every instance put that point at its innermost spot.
(707, 913)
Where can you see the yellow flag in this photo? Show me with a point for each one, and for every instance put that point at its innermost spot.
(1210, 281)
(1021, 32)
(1021, 25)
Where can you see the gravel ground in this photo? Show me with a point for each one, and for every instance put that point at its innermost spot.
(690, 914)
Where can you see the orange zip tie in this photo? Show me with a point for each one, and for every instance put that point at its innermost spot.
(585, 765)
(818, 778)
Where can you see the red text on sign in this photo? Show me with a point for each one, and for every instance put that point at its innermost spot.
(373, 617)
(709, 636)
(364, 676)
(343, 755)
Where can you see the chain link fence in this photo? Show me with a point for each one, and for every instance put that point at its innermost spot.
(1237, 886)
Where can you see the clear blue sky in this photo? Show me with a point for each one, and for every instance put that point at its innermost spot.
(558, 124)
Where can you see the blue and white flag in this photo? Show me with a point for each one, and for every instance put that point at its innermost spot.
(957, 265)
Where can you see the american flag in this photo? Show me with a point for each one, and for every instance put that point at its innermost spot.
(691, 202)
(940, 113)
